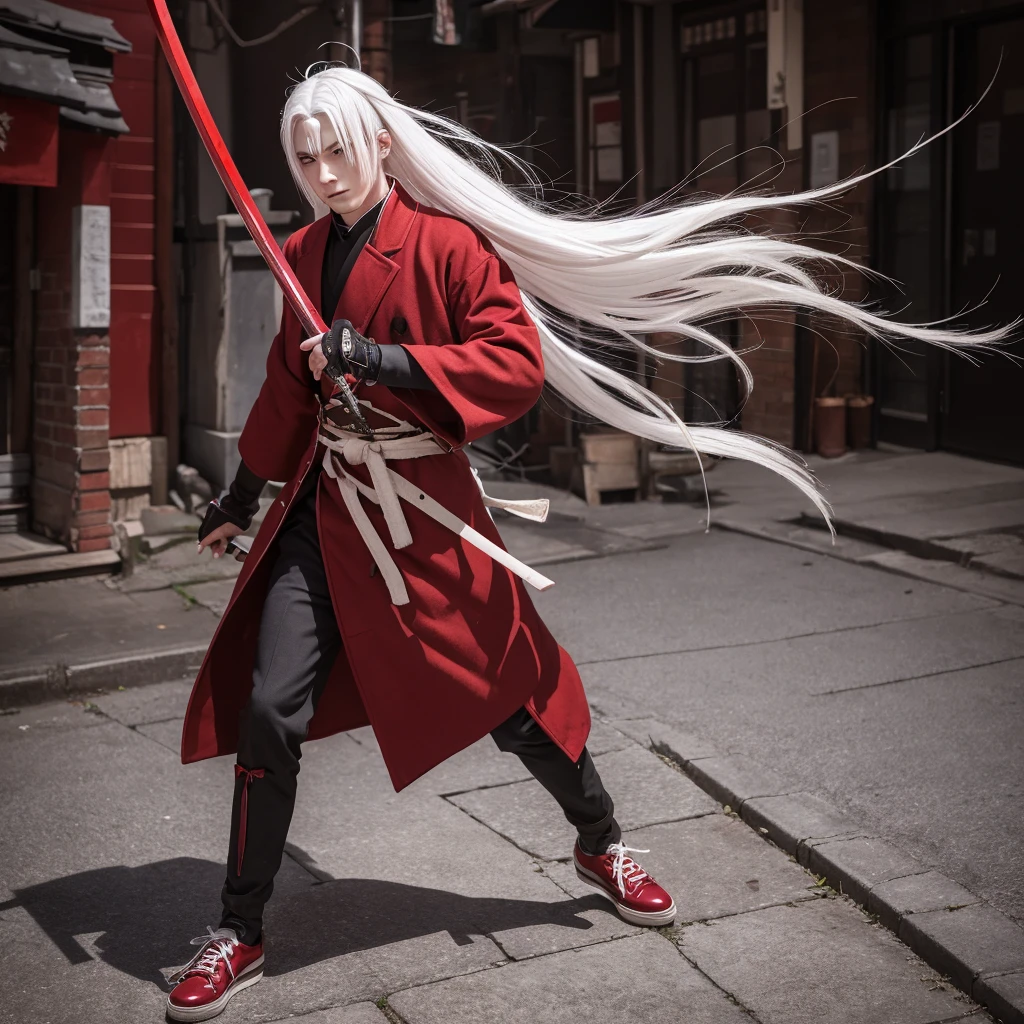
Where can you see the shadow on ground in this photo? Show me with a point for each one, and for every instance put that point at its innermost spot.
(140, 920)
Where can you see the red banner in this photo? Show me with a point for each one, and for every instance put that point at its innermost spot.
(28, 141)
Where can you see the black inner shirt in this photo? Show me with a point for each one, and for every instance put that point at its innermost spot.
(343, 246)
(344, 243)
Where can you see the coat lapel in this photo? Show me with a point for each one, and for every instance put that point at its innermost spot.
(374, 269)
(310, 261)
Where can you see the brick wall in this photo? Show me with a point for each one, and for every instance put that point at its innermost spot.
(769, 410)
(839, 96)
(847, 90)
(71, 373)
(135, 362)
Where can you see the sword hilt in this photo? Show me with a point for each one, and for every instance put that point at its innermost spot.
(358, 420)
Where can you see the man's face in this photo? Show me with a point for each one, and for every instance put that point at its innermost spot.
(331, 173)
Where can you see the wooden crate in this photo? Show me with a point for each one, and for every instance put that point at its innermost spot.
(610, 463)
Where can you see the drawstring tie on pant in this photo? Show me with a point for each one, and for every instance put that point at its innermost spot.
(243, 814)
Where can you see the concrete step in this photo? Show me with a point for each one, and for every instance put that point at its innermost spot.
(54, 567)
(17, 546)
(999, 550)
(800, 535)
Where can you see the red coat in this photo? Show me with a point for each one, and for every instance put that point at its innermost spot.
(469, 649)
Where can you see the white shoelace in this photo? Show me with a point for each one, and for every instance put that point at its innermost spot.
(218, 946)
(625, 869)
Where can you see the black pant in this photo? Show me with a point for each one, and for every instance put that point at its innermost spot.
(298, 643)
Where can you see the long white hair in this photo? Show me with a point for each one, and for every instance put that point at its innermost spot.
(667, 267)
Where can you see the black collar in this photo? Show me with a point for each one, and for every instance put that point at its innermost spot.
(369, 218)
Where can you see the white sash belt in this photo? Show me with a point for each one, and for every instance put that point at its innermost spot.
(390, 489)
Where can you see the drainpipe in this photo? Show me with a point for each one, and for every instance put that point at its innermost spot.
(349, 15)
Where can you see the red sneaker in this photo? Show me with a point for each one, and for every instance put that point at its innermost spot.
(637, 897)
(207, 982)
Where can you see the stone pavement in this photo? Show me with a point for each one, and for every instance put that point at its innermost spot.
(867, 723)
(928, 515)
(453, 901)
(896, 512)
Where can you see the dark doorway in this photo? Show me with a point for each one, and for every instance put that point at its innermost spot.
(948, 221)
(981, 406)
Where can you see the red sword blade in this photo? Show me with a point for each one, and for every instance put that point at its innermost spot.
(296, 295)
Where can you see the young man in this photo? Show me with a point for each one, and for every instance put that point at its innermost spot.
(431, 638)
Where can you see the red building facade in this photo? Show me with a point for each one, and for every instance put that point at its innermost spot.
(84, 387)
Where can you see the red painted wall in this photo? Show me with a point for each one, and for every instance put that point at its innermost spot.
(134, 342)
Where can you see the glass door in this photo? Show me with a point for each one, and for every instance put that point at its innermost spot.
(910, 221)
(980, 406)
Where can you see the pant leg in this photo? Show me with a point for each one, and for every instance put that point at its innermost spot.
(298, 643)
(577, 787)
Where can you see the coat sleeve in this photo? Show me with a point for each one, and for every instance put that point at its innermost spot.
(494, 372)
(281, 422)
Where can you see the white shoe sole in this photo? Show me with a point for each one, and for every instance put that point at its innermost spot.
(652, 919)
(246, 979)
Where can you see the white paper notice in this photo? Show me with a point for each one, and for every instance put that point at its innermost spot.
(90, 266)
(824, 158)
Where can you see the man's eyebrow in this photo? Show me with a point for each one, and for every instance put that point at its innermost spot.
(332, 145)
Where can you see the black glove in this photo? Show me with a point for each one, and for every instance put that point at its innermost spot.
(347, 351)
(226, 510)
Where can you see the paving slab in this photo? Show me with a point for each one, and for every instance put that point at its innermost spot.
(138, 706)
(41, 983)
(679, 684)
(331, 948)
(665, 738)
(811, 537)
(640, 979)
(1003, 563)
(1004, 996)
(934, 518)
(213, 595)
(973, 544)
(947, 574)
(916, 894)
(66, 716)
(734, 779)
(357, 1013)
(124, 797)
(795, 818)
(94, 857)
(593, 920)
(291, 989)
(713, 866)
(647, 791)
(76, 621)
(652, 605)
(930, 762)
(532, 547)
(167, 733)
(482, 764)
(141, 838)
(178, 565)
(819, 961)
(419, 884)
(857, 865)
(168, 519)
(966, 942)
